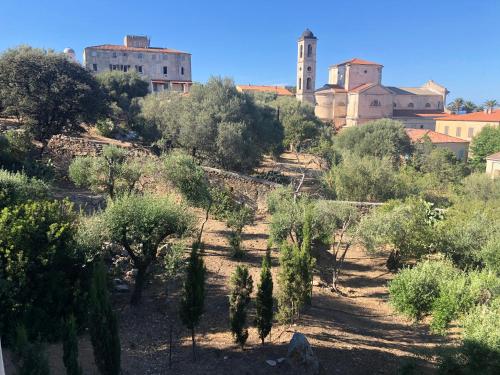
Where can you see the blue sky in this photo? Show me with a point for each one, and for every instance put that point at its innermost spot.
(454, 42)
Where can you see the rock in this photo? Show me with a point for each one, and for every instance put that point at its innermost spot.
(280, 360)
(270, 362)
(226, 357)
(301, 357)
(121, 286)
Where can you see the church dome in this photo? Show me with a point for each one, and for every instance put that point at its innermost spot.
(307, 34)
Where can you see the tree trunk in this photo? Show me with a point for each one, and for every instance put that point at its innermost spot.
(192, 340)
(140, 279)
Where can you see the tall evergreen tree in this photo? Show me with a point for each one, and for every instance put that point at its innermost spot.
(241, 288)
(193, 296)
(264, 299)
(306, 261)
(103, 325)
(70, 348)
(32, 357)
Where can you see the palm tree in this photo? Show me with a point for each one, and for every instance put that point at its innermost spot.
(469, 107)
(456, 105)
(490, 105)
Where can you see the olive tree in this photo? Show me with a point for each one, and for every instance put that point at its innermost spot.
(113, 172)
(141, 223)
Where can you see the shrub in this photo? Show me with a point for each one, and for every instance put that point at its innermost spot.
(264, 299)
(414, 290)
(16, 187)
(105, 127)
(236, 221)
(459, 294)
(479, 352)
(43, 271)
(31, 355)
(480, 186)
(70, 348)
(362, 178)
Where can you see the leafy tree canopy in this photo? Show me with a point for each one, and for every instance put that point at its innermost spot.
(48, 92)
(485, 143)
(215, 123)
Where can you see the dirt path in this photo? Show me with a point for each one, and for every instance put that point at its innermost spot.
(353, 334)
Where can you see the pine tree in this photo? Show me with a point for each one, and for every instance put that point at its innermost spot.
(290, 291)
(193, 296)
(103, 325)
(296, 274)
(264, 299)
(241, 288)
(32, 357)
(70, 347)
(306, 261)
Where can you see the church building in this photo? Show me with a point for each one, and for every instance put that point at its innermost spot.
(355, 94)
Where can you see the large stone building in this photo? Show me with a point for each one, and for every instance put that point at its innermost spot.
(355, 94)
(164, 68)
(467, 125)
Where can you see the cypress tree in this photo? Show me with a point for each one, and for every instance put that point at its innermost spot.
(33, 360)
(241, 288)
(193, 296)
(103, 325)
(264, 300)
(70, 347)
(306, 261)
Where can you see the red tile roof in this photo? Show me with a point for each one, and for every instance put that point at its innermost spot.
(363, 87)
(113, 47)
(474, 116)
(278, 90)
(357, 61)
(495, 157)
(417, 135)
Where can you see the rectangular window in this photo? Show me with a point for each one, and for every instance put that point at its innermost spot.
(165, 70)
(446, 129)
(182, 71)
(458, 132)
(139, 55)
(153, 57)
(138, 68)
(164, 57)
(471, 132)
(114, 54)
(94, 67)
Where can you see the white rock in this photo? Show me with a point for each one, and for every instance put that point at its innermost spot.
(270, 362)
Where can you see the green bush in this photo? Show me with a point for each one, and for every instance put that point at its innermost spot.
(479, 352)
(414, 290)
(105, 127)
(16, 187)
(43, 271)
(459, 294)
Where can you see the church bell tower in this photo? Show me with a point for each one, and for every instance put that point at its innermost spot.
(306, 67)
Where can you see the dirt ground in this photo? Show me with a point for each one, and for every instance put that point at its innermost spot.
(353, 333)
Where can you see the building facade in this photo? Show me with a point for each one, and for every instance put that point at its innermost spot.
(466, 126)
(355, 94)
(493, 165)
(458, 146)
(165, 69)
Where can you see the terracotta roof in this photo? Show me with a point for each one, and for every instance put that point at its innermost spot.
(495, 157)
(328, 86)
(278, 90)
(357, 61)
(363, 87)
(422, 113)
(416, 135)
(475, 116)
(113, 47)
